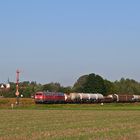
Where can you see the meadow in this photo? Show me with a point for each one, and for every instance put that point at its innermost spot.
(69, 121)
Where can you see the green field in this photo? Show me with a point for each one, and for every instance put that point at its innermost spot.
(70, 122)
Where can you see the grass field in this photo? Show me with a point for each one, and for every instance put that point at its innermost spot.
(70, 122)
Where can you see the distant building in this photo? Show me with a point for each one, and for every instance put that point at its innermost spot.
(8, 86)
(2, 86)
(5, 86)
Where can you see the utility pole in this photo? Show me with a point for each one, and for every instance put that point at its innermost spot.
(17, 86)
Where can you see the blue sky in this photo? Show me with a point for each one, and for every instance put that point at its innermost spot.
(59, 40)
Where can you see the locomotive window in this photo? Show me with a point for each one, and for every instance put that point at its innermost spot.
(38, 94)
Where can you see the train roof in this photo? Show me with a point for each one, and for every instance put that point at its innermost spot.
(50, 93)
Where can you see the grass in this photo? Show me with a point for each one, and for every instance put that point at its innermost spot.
(69, 121)
(69, 124)
(26, 103)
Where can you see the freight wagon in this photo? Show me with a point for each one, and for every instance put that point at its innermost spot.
(124, 98)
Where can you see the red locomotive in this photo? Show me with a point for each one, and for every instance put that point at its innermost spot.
(49, 97)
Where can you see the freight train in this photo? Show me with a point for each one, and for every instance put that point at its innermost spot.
(53, 97)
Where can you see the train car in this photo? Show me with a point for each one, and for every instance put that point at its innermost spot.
(96, 97)
(52, 97)
(84, 97)
(122, 98)
(49, 97)
(107, 100)
(67, 98)
(136, 98)
(39, 97)
(75, 97)
(125, 98)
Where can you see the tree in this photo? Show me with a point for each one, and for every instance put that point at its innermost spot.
(94, 84)
(110, 88)
(127, 86)
(90, 84)
(78, 86)
(52, 87)
(66, 89)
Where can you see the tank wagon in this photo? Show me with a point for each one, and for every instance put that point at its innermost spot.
(86, 97)
(75, 97)
(67, 98)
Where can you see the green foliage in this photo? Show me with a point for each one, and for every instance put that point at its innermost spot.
(110, 88)
(56, 87)
(25, 88)
(94, 84)
(52, 87)
(66, 89)
(8, 92)
(128, 86)
(79, 85)
(90, 84)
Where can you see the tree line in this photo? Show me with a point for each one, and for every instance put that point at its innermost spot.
(91, 83)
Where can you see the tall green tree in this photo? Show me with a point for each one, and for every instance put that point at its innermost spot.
(110, 88)
(79, 85)
(91, 83)
(127, 86)
(52, 87)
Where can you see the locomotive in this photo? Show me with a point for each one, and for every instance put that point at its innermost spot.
(55, 97)
(49, 97)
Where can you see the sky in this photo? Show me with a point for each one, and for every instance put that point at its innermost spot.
(59, 40)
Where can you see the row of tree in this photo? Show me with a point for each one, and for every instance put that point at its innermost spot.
(91, 83)
(95, 83)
